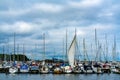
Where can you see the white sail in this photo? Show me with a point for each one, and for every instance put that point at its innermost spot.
(71, 52)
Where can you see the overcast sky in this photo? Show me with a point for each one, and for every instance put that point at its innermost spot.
(29, 19)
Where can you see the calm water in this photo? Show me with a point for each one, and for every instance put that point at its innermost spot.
(59, 77)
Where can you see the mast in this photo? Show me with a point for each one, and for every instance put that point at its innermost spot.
(44, 45)
(4, 53)
(91, 48)
(14, 47)
(23, 52)
(75, 62)
(99, 51)
(66, 44)
(106, 47)
(114, 49)
(35, 51)
(17, 52)
(54, 53)
(84, 49)
(63, 50)
(79, 47)
(96, 44)
(104, 50)
(8, 51)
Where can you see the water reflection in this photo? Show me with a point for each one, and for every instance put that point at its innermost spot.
(59, 77)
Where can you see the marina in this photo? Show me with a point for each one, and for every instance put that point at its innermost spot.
(59, 40)
(72, 65)
(61, 68)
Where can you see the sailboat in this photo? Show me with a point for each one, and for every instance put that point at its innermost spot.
(13, 69)
(57, 67)
(67, 68)
(106, 66)
(34, 66)
(97, 68)
(87, 64)
(24, 68)
(7, 64)
(115, 67)
(71, 56)
(73, 65)
(71, 52)
(43, 67)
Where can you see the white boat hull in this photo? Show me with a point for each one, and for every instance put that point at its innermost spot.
(13, 70)
(44, 70)
(24, 71)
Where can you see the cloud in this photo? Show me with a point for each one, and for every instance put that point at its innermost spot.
(18, 27)
(13, 12)
(85, 3)
(46, 7)
(36, 7)
(30, 19)
(109, 13)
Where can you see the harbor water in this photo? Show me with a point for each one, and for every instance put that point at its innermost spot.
(111, 76)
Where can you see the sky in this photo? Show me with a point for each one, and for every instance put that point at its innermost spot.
(30, 19)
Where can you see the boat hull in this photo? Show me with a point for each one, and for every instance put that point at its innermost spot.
(13, 70)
